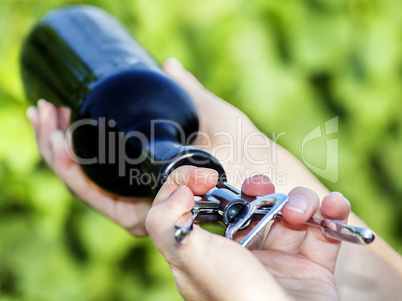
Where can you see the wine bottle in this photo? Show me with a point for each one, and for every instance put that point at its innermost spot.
(131, 124)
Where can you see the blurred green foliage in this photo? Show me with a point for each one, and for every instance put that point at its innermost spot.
(290, 65)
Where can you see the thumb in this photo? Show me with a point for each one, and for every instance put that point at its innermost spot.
(175, 69)
(206, 265)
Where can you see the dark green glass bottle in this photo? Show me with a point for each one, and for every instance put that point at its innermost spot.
(131, 123)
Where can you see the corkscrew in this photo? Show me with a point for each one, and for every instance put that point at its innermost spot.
(225, 204)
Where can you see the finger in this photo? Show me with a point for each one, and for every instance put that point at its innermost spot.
(176, 198)
(166, 213)
(302, 205)
(208, 105)
(64, 115)
(174, 68)
(334, 208)
(195, 263)
(47, 124)
(254, 186)
(128, 212)
(72, 175)
(288, 234)
(199, 180)
(33, 117)
(257, 185)
(316, 246)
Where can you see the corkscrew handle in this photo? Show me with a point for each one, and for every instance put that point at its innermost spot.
(340, 231)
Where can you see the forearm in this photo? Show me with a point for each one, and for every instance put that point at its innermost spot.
(363, 272)
(371, 272)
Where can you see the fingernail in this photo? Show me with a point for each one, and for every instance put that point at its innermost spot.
(41, 102)
(172, 64)
(298, 205)
(206, 176)
(340, 195)
(337, 193)
(180, 187)
(57, 140)
(207, 172)
(32, 114)
(205, 169)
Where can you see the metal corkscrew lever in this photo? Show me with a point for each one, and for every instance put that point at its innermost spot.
(225, 204)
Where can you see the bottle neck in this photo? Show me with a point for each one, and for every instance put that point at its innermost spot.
(163, 156)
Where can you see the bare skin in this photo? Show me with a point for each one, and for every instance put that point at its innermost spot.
(296, 262)
(369, 273)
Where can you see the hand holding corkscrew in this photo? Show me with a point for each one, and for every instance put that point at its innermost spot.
(224, 204)
(134, 105)
(292, 260)
(82, 78)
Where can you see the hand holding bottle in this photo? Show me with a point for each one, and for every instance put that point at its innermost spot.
(51, 123)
